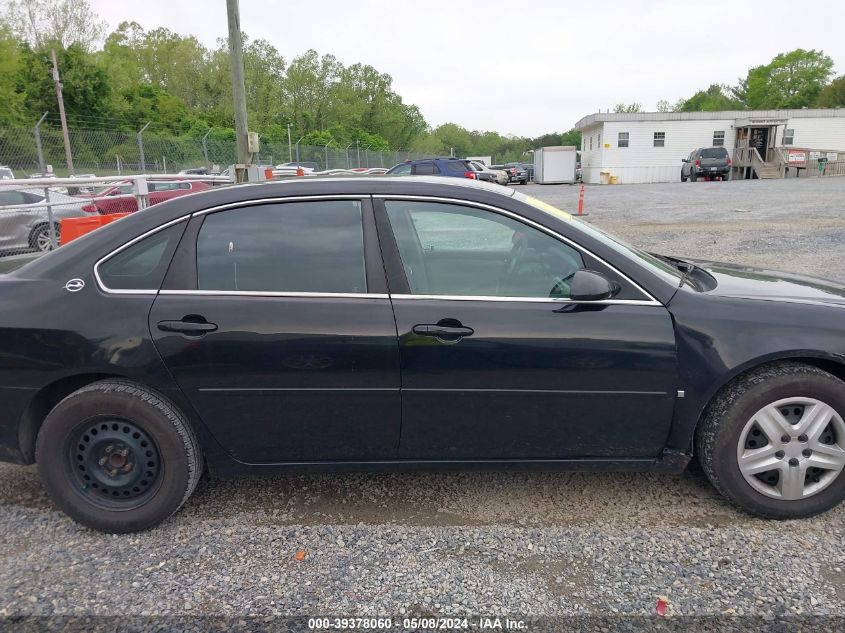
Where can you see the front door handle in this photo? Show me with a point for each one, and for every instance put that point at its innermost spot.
(450, 333)
(188, 327)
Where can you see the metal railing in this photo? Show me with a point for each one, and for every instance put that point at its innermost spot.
(32, 210)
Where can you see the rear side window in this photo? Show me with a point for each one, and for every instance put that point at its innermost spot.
(456, 166)
(286, 247)
(426, 169)
(714, 152)
(141, 266)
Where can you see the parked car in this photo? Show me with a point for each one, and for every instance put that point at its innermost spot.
(410, 322)
(24, 220)
(522, 168)
(515, 174)
(499, 176)
(6, 173)
(451, 167)
(529, 167)
(196, 171)
(709, 162)
(120, 198)
(482, 173)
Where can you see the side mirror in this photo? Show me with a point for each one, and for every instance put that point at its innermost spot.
(685, 160)
(590, 285)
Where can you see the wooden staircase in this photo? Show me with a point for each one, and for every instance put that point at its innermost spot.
(767, 170)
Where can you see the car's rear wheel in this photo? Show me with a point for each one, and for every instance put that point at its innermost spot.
(773, 441)
(40, 238)
(692, 175)
(117, 456)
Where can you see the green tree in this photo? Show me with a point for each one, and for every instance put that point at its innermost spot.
(832, 95)
(12, 111)
(713, 99)
(628, 107)
(790, 80)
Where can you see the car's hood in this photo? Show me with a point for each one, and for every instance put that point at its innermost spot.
(768, 285)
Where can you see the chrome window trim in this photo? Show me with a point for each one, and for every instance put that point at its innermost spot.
(650, 301)
(122, 248)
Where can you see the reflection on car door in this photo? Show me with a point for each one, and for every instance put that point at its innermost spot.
(284, 340)
(497, 364)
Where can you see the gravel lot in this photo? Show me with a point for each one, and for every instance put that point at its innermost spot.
(517, 544)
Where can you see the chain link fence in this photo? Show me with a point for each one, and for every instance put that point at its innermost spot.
(106, 152)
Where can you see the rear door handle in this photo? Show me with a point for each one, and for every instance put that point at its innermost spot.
(195, 328)
(443, 332)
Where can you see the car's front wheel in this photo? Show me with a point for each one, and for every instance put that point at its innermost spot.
(117, 456)
(773, 441)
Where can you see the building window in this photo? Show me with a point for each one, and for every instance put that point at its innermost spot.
(719, 138)
(623, 139)
(660, 139)
(788, 137)
(591, 143)
(598, 143)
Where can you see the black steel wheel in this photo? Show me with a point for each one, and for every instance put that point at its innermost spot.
(114, 462)
(117, 456)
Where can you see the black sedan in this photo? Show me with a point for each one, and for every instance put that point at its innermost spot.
(379, 323)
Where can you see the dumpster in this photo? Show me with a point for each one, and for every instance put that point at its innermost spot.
(605, 177)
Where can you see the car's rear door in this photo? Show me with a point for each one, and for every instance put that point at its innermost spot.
(497, 363)
(275, 322)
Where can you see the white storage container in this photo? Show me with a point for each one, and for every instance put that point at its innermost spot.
(555, 165)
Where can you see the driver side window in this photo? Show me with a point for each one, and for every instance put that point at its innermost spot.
(461, 251)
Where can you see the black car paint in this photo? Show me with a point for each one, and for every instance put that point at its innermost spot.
(53, 341)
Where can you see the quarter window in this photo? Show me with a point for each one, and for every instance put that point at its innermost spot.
(623, 139)
(718, 138)
(460, 251)
(660, 139)
(142, 266)
(286, 247)
(788, 137)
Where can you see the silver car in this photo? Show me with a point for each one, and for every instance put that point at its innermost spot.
(24, 224)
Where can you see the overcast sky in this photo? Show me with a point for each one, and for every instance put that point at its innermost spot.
(521, 66)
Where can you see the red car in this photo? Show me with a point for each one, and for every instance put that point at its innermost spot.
(120, 199)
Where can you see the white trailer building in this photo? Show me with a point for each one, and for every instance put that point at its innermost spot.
(649, 146)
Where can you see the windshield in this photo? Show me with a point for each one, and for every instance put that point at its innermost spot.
(663, 269)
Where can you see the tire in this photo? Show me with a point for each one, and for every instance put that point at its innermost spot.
(727, 432)
(683, 178)
(523, 182)
(40, 239)
(693, 176)
(90, 446)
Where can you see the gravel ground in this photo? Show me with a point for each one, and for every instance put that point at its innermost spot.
(510, 544)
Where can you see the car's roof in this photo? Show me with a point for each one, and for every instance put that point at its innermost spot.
(385, 184)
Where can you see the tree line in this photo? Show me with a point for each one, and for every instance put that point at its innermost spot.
(793, 80)
(130, 76)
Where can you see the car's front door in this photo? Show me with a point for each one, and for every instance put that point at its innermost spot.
(275, 322)
(498, 363)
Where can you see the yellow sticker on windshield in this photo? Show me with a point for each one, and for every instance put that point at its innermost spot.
(545, 206)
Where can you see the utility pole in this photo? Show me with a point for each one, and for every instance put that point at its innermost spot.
(236, 58)
(290, 151)
(65, 136)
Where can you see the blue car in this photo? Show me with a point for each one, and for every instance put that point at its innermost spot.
(452, 167)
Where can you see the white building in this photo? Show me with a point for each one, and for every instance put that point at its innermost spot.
(648, 147)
